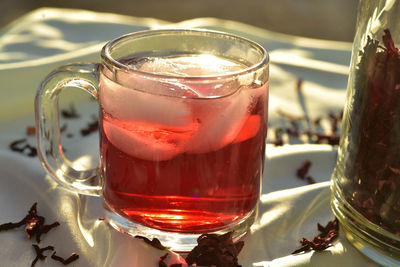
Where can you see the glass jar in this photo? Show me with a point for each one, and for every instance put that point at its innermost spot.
(366, 180)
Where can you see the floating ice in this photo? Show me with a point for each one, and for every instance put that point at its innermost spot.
(128, 104)
(158, 119)
(185, 66)
(146, 140)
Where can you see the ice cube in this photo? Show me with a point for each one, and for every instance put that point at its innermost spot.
(249, 129)
(184, 66)
(130, 104)
(221, 120)
(172, 104)
(144, 140)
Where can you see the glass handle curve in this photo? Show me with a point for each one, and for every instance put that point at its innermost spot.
(50, 151)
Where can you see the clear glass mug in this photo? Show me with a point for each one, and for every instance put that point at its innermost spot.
(366, 180)
(183, 122)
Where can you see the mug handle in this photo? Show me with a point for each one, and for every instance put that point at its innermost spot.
(50, 151)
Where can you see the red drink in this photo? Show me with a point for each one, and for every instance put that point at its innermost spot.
(185, 164)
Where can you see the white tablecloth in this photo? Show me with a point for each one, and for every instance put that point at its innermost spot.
(289, 208)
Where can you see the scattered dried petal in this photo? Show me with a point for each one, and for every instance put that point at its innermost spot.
(21, 145)
(44, 229)
(39, 253)
(34, 224)
(71, 258)
(161, 262)
(30, 130)
(91, 127)
(322, 241)
(218, 250)
(302, 127)
(63, 128)
(299, 84)
(70, 113)
(154, 243)
(278, 142)
(303, 169)
(8, 226)
(310, 180)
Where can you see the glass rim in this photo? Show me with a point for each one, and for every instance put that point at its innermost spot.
(110, 61)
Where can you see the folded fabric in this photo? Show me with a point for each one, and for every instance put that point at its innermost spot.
(289, 208)
(40, 41)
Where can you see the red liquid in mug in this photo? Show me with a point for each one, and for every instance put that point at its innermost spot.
(183, 165)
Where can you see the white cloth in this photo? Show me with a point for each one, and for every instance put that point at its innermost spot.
(289, 209)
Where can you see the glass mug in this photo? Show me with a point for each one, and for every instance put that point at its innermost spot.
(183, 122)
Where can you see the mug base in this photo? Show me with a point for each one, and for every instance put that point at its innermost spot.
(178, 242)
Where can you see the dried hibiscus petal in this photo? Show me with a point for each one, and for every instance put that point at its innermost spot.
(45, 228)
(335, 119)
(310, 180)
(217, 250)
(91, 127)
(303, 169)
(302, 172)
(31, 213)
(39, 253)
(71, 258)
(161, 262)
(11, 225)
(322, 241)
(330, 139)
(70, 113)
(21, 146)
(34, 224)
(154, 242)
(278, 137)
(301, 127)
(30, 130)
